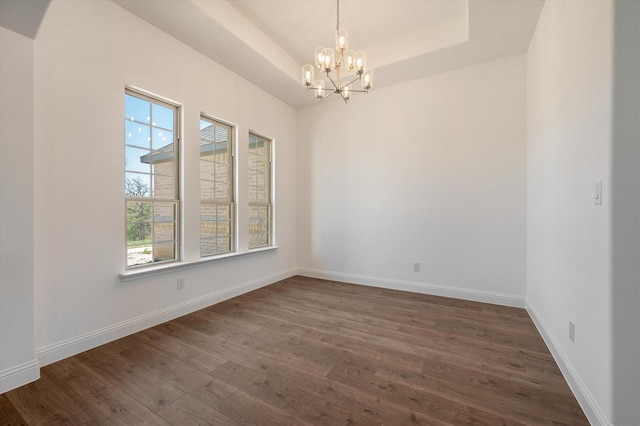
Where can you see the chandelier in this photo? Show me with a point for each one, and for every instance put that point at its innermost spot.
(352, 65)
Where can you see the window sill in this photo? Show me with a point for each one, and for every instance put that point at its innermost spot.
(174, 266)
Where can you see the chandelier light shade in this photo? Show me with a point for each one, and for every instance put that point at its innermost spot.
(352, 65)
(367, 80)
(319, 87)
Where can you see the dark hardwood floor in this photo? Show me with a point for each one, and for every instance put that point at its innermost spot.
(307, 351)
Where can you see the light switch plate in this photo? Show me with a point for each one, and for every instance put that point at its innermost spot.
(597, 196)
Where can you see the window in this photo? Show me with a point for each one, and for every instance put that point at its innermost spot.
(216, 187)
(260, 208)
(151, 180)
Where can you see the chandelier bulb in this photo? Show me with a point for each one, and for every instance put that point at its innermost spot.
(346, 93)
(329, 61)
(360, 59)
(367, 80)
(319, 57)
(319, 87)
(349, 60)
(342, 40)
(307, 75)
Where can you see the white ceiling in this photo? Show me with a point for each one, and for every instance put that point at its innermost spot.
(267, 41)
(298, 26)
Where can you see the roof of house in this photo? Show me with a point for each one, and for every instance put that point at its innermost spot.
(208, 136)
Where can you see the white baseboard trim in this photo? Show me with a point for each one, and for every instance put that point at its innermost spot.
(75, 345)
(19, 375)
(418, 287)
(587, 402)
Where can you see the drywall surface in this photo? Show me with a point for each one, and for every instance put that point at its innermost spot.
(17, 346)
(87, 52)
(569, 106)
(625, 209)
(431, 171)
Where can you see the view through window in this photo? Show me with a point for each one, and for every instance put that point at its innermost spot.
(260, 207)
(151, 179)
(216, 187)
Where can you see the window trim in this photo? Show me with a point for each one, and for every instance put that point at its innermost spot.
(164, 268)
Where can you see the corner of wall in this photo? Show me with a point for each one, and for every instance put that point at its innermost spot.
(588, 403)
(475, 295)
(19, 375)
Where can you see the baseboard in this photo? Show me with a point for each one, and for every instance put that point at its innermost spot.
(19, 375)
(64, 349)
(418, 287)
(587, 402)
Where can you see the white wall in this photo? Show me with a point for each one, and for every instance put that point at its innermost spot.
(431, 171)
(86, 52)
(18, 364)
(568, 237)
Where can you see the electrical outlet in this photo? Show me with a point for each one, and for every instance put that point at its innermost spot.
(572, 331)
(416, 266)
(180, 283)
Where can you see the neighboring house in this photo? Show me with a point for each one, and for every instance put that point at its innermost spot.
(213, 186)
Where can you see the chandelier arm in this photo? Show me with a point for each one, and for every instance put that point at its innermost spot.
(353, 81)
(331, 92)
(335, 86)
(334, 90)
(326, 96)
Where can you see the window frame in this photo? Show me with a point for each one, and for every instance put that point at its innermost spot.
(231, 141)
(175, 201)
(269, 190)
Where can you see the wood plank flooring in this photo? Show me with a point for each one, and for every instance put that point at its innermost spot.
(312, 352)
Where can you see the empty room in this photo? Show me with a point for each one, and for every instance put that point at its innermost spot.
(320, 212)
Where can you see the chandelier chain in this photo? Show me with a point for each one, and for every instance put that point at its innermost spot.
(337, 15)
